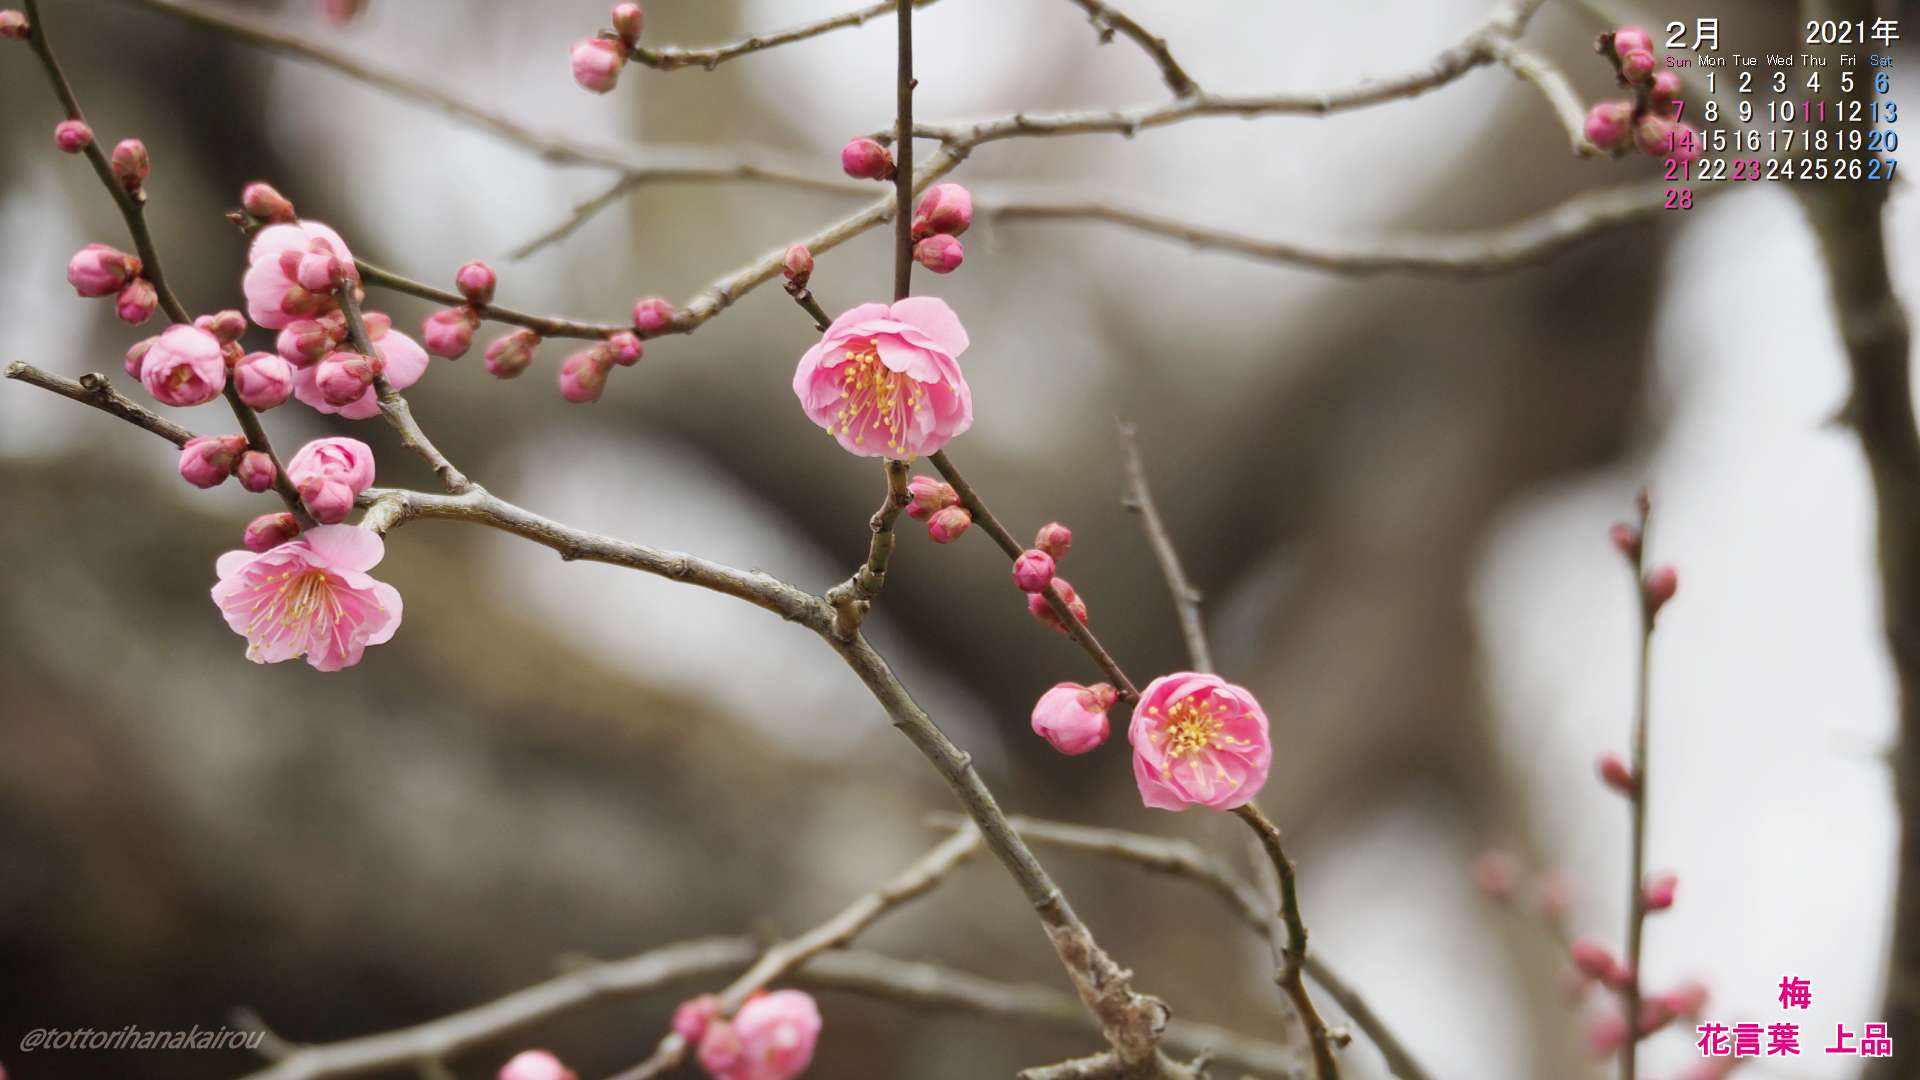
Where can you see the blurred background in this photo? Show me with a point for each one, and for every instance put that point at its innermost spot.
(1393, 491)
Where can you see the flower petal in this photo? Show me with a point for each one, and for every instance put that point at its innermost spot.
(931, 316)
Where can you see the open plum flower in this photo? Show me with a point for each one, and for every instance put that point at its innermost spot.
(1198, 739)
(885, 380)
(309, 598)
(290, 272)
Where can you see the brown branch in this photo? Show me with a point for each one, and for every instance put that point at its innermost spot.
(903, 154)
(1552, 83)
(776, 963)
(392, 406)
(1294, 954)
(94, 389)
(1186, 598)
(1106, 20)
(854, 597)
(672, 58)
(1630, 993)
(544, 325)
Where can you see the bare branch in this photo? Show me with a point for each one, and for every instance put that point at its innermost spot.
(544, 325)
(1553, 85)
(1293, 957)
(392, 405)
(852, 598)
(1186, 598)
(1107, 20)
(672, 58)
(94, 389)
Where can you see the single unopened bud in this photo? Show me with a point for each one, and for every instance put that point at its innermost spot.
(137, 353)
(1637, 66)
(1659, 586)
(1055, 539)
(583, 375)
(510, 354)
(1689, 999)
(1625, 538)
(690, 1020)
(1610, 125)
(535, 1065)
(14, 25)
(129, 162)
(1615, 774)
(449, 332)
(315, 272)
(948, 524)
(256, 470)
(1553, 895)
(328, 499)
(597, 63)
(798, 265)
(627, 21)
(1497, 874)
(263, 380)
(1073, 718)
(476, 281)
(342, 12)
(945, 208)
(1033, 570)
(1660, 890)
(1605, 1034)
(305, 341)
(1654, 135)
(1631, 39)
(344, 376)
(929, 496)
(626, 348)
(225, 325)
(136, 301)
(651, 315)
(721, 1051)
(1038, 607)
(1661, 95)
(269, 531)
(72, 136)
(939, 253)
(1595, 960)
(98, 270)
(866, 159)
(207, 461)
(264, 202)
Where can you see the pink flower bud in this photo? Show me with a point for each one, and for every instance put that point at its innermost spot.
(626, 348)
(776, 1034)
(721, 1052)
(1660, 97)
(343, 376)
(136, 354)
(1656, 135)
(1689, 999)
(651, 315)
(929, 496)
(1658, 588)
(264, 202)
(136, 301)
(476, 282)
(945, 208)
(1637, 66)
(866, 159)
(510, 354)
(269, 531)
(596, 64)
(185, 366)
(315, 272)
(129, 163)
(263, 380)
(583, 375)
(449, 332)
(14, 26)
(207, 461)
(1660, 890)
(98, 270)
(72, 136)
(329, 474)
(1033, 570)
(1497, 874)
(329, 501)
(535, 1065)
(1631, 39)
(304, 341)
(1605, 1034)
(690, 1020)
(1625, 539)
(1072, 717)
(1038, 607)
(255, 471)
(939, 253)
(627, 21)
(1615, 774)
(948, 524)
(225, 325)
(798, 266)
(1610, 124)
(1595, 960)
(1553, 895)
(1055, 539)
(342, 12)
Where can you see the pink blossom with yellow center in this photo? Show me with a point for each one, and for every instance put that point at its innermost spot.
(1198, 740)
(309, 598)
(885, 379)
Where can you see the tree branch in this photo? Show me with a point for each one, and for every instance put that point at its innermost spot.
(94, 389)
(544, 325)
(852, 598)
(1107, 20)
(392, 406)
(1552, 83)
(673, 58)
(1186, 598)
(1293, 956)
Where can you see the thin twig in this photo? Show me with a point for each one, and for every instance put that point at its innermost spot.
(394, 407)
(544, 325)
(1630, 994)
(1294, 955)
(854, 597)
(903, 154)
(94, 389)
(1186, 598)
(672, 58)
(913, 882)
(1552, 83)
(1106, 20)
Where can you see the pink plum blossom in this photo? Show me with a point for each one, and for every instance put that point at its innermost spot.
(866, 159)
(1038, 607)
(535, 1065)
(263, 201)
(136, 302)
(255, 471)
(288, 272)
(185, 366)
(1660, 890)
(343, 376)
(129, 163)
(1614, 773)
(885, 380)
(1072, 717)
(929, 496)
(270, 531)
(309, 598)
(449, 332)
(1055, 539)
(1198, 739)
(690, 1020)
(72, 136)
(305, 342)
(797, 267)
(940, 253)
(948, 524)
(330, 474)
(652, 314)
(476, 282)
(1661, 584)
(945, 208)
(583, 375)
(1610, 124)
(596, 64)
(1666, 87)
(510, 354)
(99, 270)
(771, 1038)
(207, 460)
(402, 361)
(137, 354)
(1637, 66)
(1033, 570)
(263, 380)
(627, 21)
(1595, 960)
(1631, 39)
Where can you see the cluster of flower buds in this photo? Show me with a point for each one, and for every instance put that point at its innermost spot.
(944, 213)
(207, 460)
(583, 375)
(330, 474)
(99, 271)
(1034, 570)
(936, 503)
(772, 1037)
(1647, 122)
(597, 60)
(449, 331)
